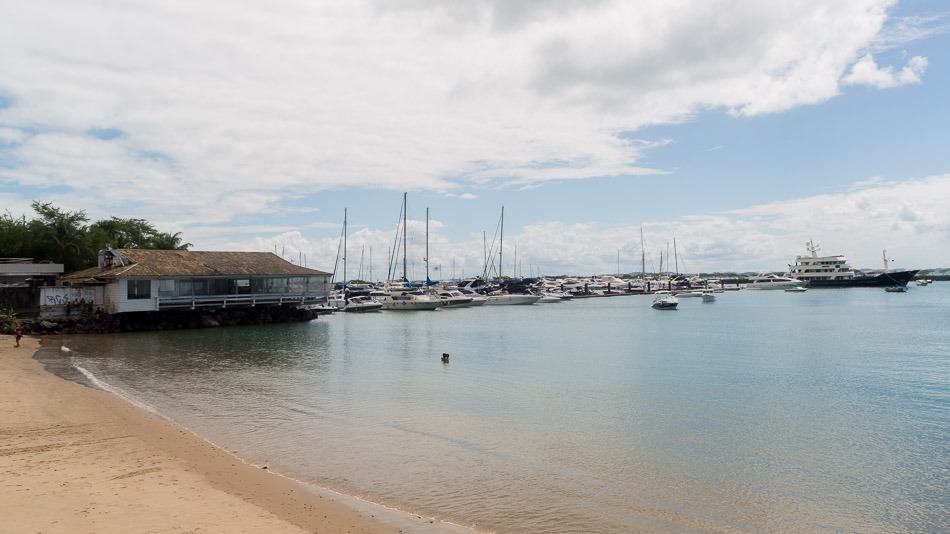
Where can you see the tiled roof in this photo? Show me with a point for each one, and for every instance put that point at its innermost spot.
(177, 263)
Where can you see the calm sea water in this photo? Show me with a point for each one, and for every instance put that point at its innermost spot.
(764, 411)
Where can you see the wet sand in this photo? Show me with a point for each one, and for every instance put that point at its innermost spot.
(76, 459)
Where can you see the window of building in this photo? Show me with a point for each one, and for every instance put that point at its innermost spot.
(166, 288)
(139, 289)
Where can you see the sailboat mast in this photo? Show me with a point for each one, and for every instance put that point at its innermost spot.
(484, 255)
(643, 255)
(405, 241)
(427, 244)
(501, 244)
(514, 273)
(676, 257)
(362, 254)
(370, 264)
(344, 248)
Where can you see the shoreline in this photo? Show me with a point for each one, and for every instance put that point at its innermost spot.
(80, 459)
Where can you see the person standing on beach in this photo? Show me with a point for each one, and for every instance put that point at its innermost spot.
(17, 334)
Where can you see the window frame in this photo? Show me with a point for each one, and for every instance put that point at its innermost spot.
(134, 289)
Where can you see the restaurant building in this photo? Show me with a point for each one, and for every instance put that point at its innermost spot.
(138, 280)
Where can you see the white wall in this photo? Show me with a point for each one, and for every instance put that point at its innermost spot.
(117, 301)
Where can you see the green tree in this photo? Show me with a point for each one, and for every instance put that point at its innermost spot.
(166, 241)
(121, 233)
(65, 234)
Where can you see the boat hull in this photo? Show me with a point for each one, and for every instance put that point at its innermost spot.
(894, 278)
(412, 305)
(362, 308)
(512, 300)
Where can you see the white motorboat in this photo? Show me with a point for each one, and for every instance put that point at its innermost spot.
(708, 296)
(408, 301)
(453, 298)
(688, 294)
(665, 301)
(512, 299)
(772, 281)
(477, 298)
(796, 289)
(547, 298)
(361, 304)
(923, 282)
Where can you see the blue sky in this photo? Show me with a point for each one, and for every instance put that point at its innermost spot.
(244, 139)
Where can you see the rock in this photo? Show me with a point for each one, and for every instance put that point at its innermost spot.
(208, 322)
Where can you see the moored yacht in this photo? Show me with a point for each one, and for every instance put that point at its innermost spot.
(834, 271)
(511, 299)
(408, 301)
(361, 304)
(664, 300)
(453, 298)
(772, 281)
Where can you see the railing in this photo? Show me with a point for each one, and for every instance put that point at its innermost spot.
(232, 301)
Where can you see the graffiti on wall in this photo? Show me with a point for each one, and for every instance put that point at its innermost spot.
(61, 296)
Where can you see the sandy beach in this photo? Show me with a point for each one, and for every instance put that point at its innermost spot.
(76, 459)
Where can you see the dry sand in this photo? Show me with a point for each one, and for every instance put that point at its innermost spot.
(75, 459)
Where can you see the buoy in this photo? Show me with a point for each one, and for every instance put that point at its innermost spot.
(64, 348)
(445, 357)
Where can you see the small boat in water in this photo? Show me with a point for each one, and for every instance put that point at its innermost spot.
(708, 296)
(665, 301)
(896, 289)
(923, 282)
(796, 289)
(688, 294)
(453, 298)
(361, 304)
(547, 298)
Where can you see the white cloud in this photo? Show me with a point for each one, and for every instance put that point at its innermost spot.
(867, 72)
(232, 107)
(908, 218)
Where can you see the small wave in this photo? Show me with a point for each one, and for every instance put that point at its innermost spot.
(117, 391)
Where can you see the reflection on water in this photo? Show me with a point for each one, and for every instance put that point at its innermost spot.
(764, 411)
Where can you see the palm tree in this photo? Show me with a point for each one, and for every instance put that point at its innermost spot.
(166, 241)
(66, 230)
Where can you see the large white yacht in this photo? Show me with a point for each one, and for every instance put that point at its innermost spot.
(834, 271)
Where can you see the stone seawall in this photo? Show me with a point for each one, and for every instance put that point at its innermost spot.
(102, 323)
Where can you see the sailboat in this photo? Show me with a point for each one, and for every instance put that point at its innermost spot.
(341, 298)
(402, 296)
(503, 297)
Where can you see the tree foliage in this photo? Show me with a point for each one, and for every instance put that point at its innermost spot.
(67, 237)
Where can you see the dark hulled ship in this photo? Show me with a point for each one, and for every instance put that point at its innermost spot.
(834, 271)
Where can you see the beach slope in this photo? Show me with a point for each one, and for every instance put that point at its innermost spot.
(75, 459)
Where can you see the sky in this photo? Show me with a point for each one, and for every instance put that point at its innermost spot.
(741, 129)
